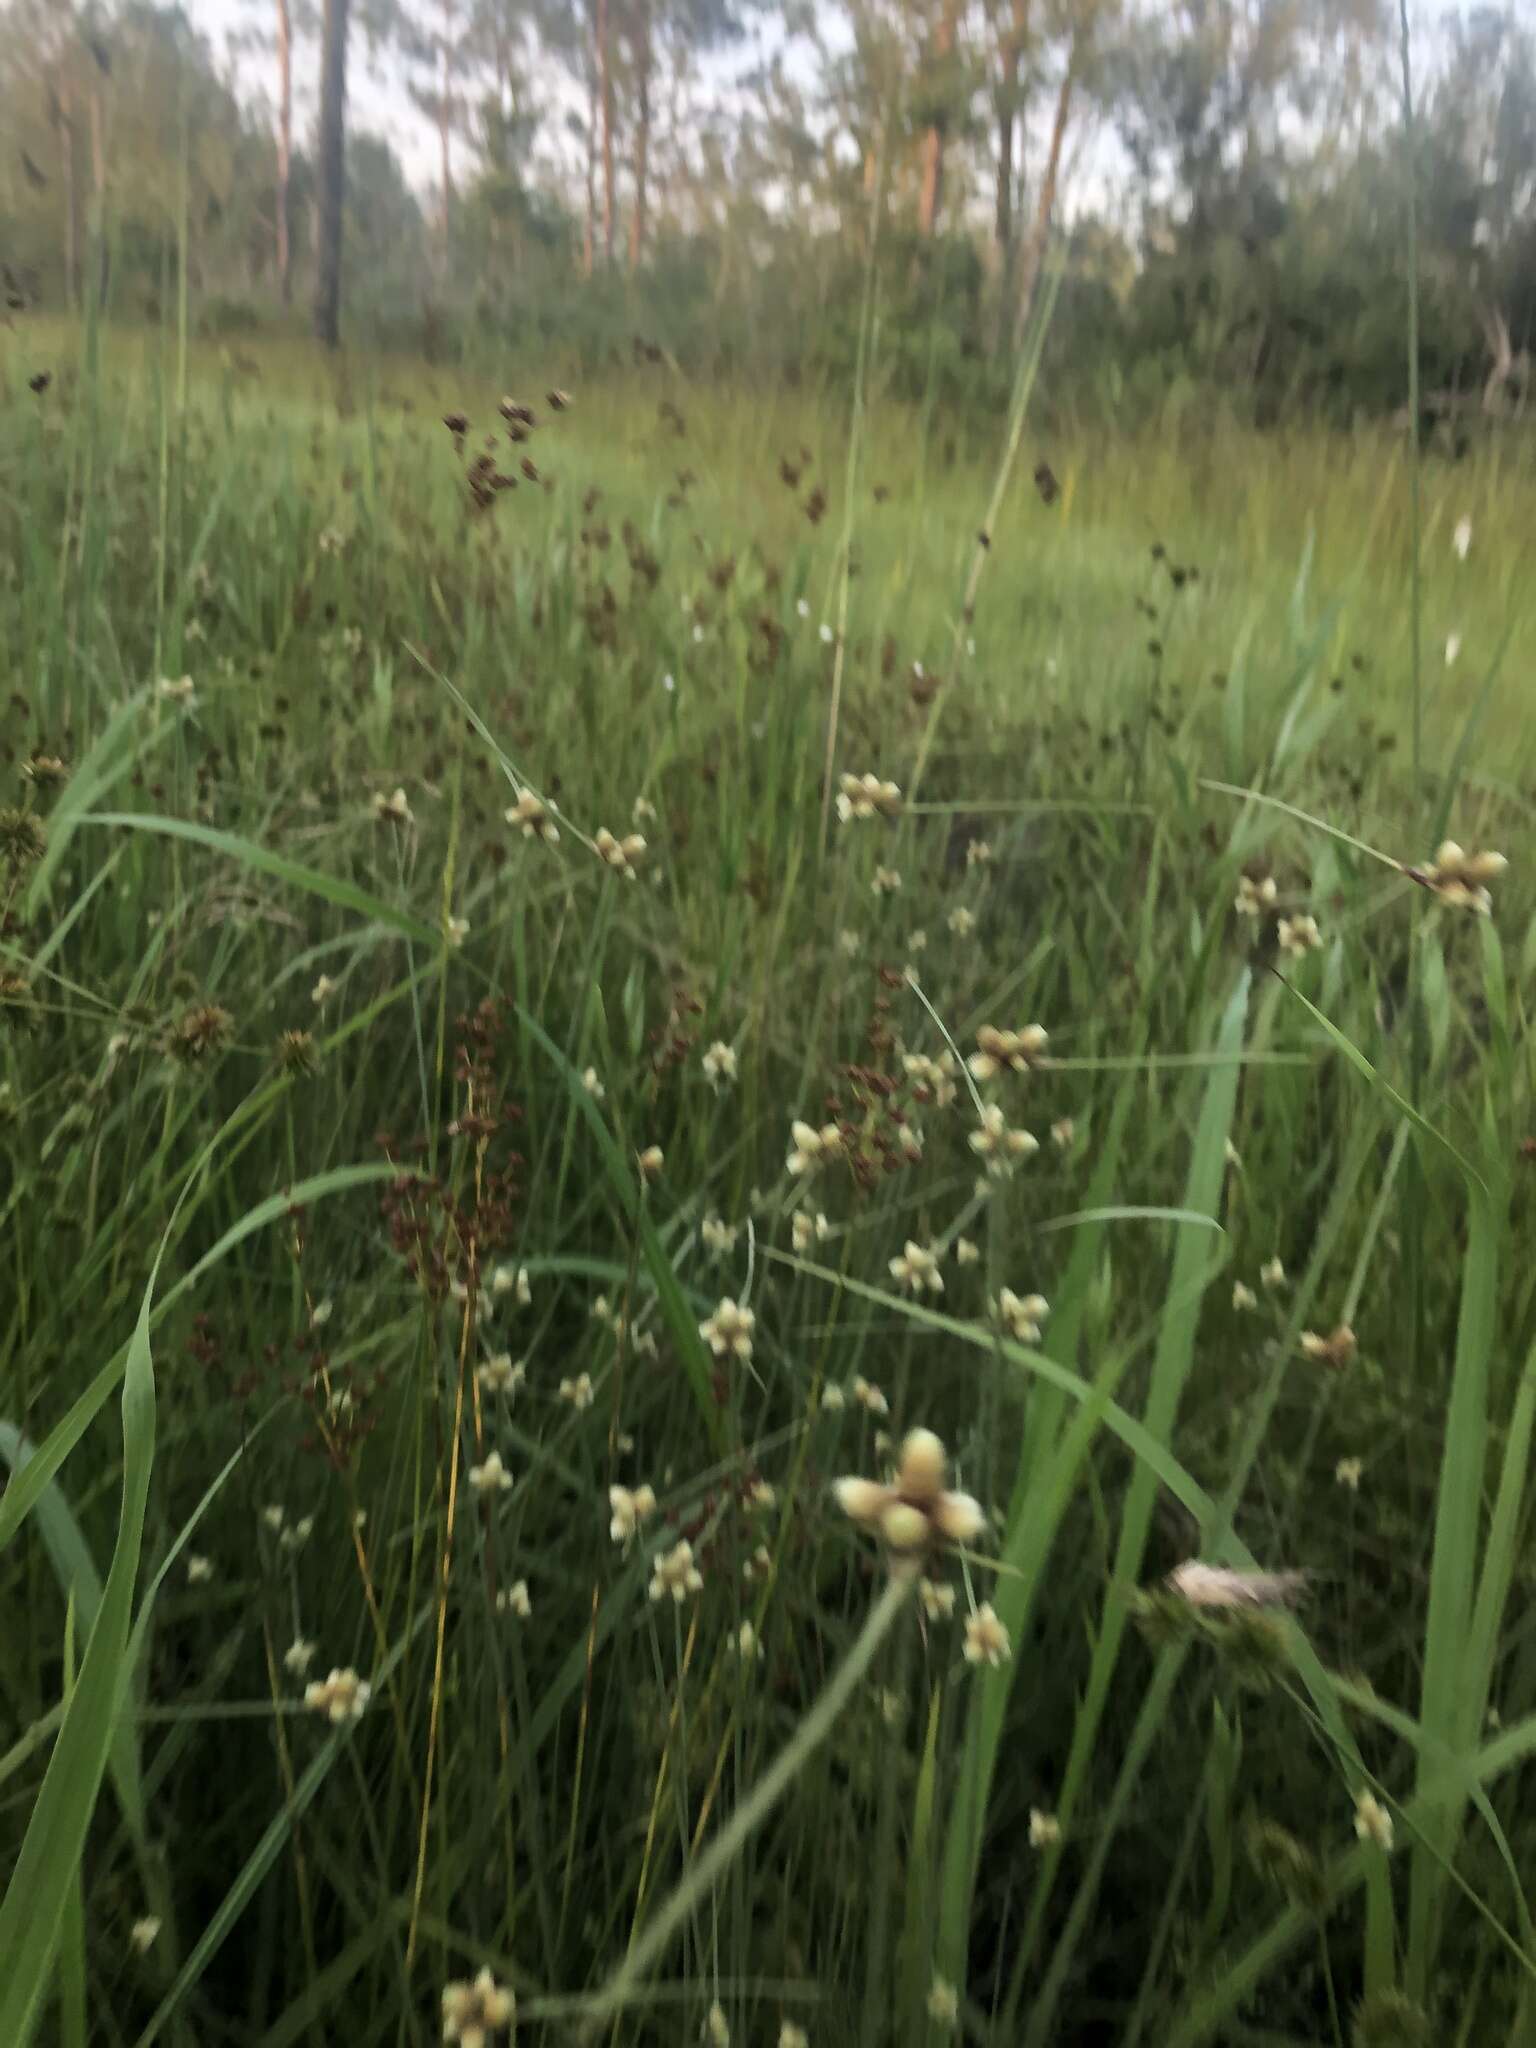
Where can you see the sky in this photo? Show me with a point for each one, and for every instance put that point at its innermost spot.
(381, 102)
(379, 97)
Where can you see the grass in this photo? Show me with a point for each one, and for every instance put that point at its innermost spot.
(273, 1123)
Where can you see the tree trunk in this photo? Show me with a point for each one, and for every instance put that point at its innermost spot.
(332, 169)
(933, 141)
(642, 54)
(284, 147)
(66, 130)
(589, 231)
(1034, 253)
(99, 194)
(605, 95)
(1007, 111)
(445, 114)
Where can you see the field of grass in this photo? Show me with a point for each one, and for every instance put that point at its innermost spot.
(342, 1285)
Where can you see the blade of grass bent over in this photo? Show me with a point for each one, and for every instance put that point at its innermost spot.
(38, 1894)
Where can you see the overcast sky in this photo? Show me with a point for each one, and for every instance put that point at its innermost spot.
(381, 102)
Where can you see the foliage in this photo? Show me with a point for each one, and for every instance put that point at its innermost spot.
(322, 1051)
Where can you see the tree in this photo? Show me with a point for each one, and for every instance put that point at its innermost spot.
(284, 147)
(332, 168)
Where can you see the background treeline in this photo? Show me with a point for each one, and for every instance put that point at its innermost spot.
(1224, 178)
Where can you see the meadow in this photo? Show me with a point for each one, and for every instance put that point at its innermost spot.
(522, 944)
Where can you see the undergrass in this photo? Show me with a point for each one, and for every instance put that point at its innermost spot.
(606, 1801)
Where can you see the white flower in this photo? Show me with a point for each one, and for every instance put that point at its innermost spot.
(1336, 1347)
(1461, 879)
(473, 2012)
(802, 607)
(747, 1645)
(530, 814)
(275, 1519)
(1063, 1131)
(1452, 648)
(1021, 1316)
(320, 1314)
(938, 1601)
(392, 809)
(669, 682)
(577, 1391)
(917, 1268)
(459, 1291)
(499, 1375)
(643, 811)
(791, 2036)
(622, 855)
(943, 2003)
(758, 1564)
(728, 1332)
(1298, 936)
(176, 690)
(986, 1639)
(866, 796)
(1272, 1274)
(1461, 537)
(999, 1143)
(323, 990)
(294, 1539)
(650, 1162)
(962, 922)
(1254, 896)
(967, 1251)
(1044, 1829)
(674, 1571)
(848, 943)
(341, 1697)
(143, 1932)
(1014, 1050)
(827, 634)
(298, 1656)
(199, 1569)
(1347, 1473)
(886, 882)
(978, 853)
(1214, 1585)
(514, 1599)
(1243, 1297)
(1373, 1823)
(717, 2028)
(593, 1085)
(630, 1509)
(811, 1148)
(456, 930)
(719, 1064)
(492, 1476)
(833, 1399)
(719, 1237)
(869, 1396)
(914, 1510)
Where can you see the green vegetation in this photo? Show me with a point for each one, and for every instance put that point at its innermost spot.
(301, 1163)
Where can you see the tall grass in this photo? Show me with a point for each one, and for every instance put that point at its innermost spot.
(345, 1075)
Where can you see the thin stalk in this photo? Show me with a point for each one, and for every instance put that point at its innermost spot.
(749, 1816)
(850, 484)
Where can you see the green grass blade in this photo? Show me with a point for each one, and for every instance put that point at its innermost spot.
(329, 888)
(24, 1491)
(37, 1896)
(1450, 1710)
